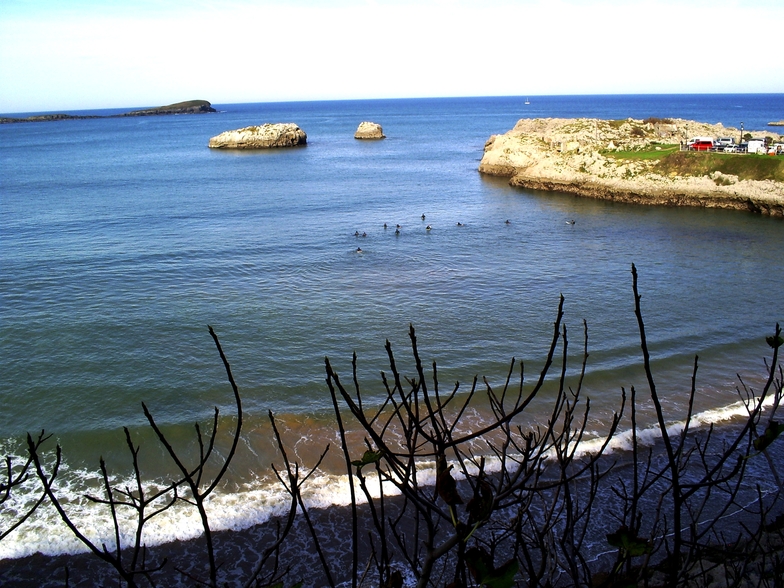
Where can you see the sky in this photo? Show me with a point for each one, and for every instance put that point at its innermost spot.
(60, 55)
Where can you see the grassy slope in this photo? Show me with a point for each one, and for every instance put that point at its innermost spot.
(689, 163)
(746, 167)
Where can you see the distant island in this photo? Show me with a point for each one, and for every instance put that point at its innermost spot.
(188, 107)
(637, 161)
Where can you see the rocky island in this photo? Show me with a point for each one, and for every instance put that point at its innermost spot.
(188, 107)
(637, 161)
(266, 136)
(369, 130)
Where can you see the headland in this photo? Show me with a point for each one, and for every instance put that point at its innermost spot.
(188, 107)
(638, 161)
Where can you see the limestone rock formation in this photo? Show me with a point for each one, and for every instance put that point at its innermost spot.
(266, 136)
(575, 156)
(369, 130)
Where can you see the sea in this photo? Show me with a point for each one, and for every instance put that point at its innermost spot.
(123, 239)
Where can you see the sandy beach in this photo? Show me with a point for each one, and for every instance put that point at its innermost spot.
(238, 551)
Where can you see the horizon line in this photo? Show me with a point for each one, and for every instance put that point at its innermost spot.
(300, 101)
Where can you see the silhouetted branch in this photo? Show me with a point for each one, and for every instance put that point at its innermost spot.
(13, 478)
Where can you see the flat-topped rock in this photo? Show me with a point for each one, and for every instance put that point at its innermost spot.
(266, 136)
(369, 130)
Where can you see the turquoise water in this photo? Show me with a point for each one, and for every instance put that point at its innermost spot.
(122, 239)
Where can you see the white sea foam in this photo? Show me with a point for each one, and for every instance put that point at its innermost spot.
(252, 504)
(622, 441)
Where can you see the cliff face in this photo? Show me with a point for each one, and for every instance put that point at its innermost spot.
(575, 156)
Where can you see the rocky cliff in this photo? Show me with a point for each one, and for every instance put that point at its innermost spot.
(266, 136)
(579, 156)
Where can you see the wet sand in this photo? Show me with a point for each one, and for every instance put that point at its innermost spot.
(238, 551)
(237, 554)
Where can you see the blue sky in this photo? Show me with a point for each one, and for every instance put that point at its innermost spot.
(81, 54)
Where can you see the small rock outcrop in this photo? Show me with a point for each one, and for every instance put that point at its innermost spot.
(369, 130)
(266, 136)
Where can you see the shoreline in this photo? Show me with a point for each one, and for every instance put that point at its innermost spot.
(675, 196)
(238, 550)
(576, 156)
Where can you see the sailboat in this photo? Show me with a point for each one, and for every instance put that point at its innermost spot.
(527, 101)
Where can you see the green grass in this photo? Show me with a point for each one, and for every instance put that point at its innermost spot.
(745, 166)
(649, 152)
(690, 163)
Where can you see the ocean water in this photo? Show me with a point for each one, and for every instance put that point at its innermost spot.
(122, 239)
